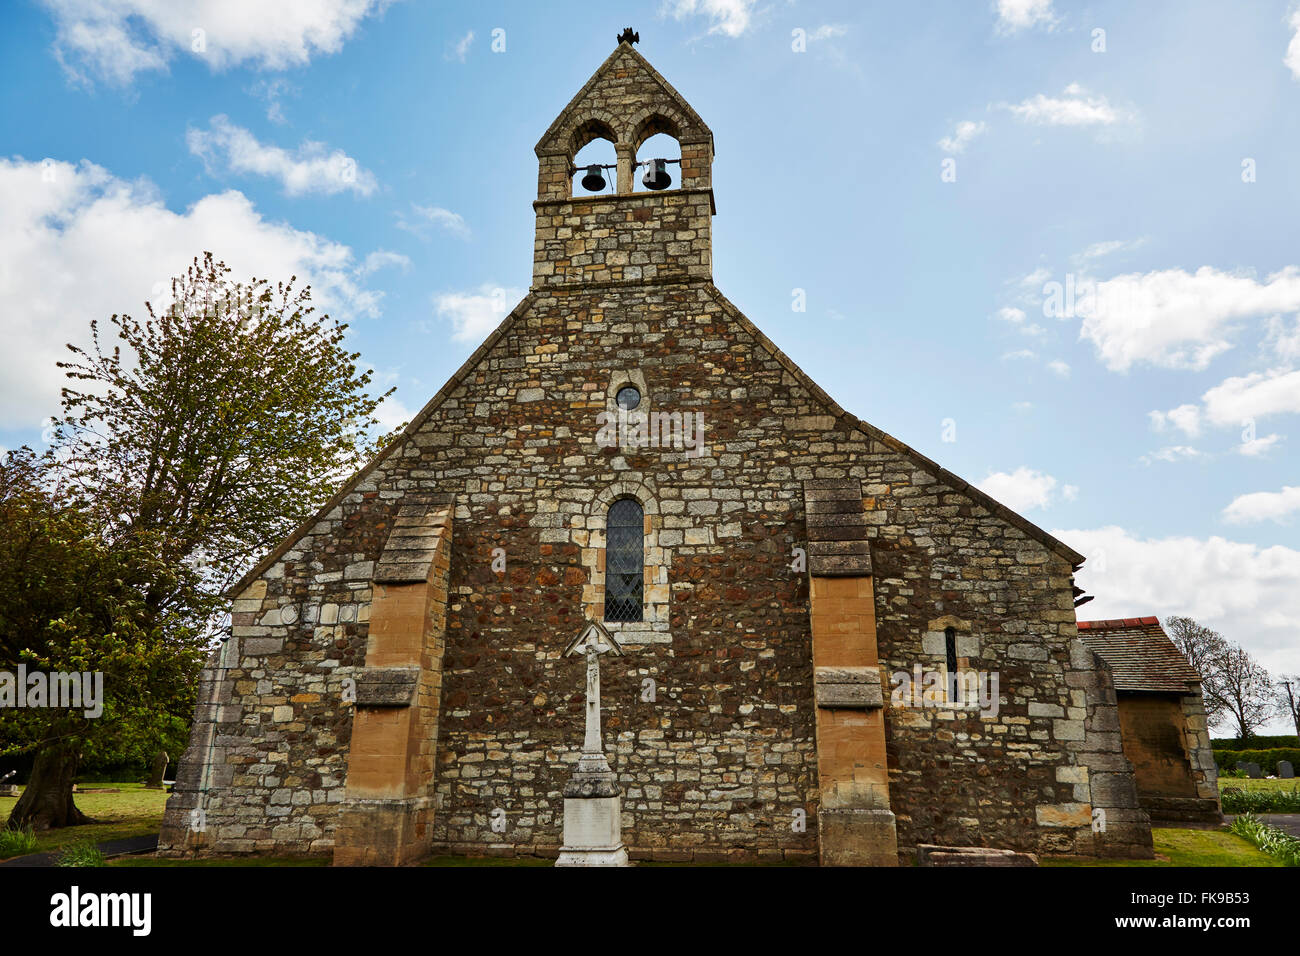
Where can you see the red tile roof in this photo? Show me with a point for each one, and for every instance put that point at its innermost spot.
(1141, 655)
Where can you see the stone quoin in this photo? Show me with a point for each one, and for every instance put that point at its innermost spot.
(394, 685)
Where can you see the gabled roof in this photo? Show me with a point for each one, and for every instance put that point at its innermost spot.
(1141, 655)
(957, 484)
(624, 56)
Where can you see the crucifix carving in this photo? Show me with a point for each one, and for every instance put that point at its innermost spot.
(592, 643)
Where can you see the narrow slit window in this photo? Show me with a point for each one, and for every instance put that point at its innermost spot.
(950, 647)
(624, 560)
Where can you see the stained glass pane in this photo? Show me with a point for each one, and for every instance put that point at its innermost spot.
(624, 561)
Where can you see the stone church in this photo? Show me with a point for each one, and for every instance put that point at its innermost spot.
(836, 651)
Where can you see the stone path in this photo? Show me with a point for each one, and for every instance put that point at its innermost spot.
(144, 844)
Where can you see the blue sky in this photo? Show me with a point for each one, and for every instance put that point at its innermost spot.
(923, 174)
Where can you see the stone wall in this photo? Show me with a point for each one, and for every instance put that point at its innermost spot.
(710, 718)
(722, 757)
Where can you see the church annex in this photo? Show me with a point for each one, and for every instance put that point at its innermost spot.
(834, 649)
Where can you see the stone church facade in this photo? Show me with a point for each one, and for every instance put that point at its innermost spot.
(776, 570)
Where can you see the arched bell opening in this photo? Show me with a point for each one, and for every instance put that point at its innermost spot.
(659, 164)
(594, 162)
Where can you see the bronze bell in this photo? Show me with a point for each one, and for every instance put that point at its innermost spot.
(656, 176)
(594, 180)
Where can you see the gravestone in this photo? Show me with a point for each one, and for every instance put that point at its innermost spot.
(1285, 770)
(1253, 771)
(593, 833)
(159, 768)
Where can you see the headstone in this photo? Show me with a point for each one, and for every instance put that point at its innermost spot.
(1285, 770)
(159, 768)
(593, 809)
(1253, 771)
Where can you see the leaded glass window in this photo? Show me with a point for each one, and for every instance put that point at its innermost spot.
(624, 560)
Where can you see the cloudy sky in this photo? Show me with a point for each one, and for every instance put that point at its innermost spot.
(1051, 245)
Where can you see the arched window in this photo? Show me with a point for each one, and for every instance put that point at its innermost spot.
(624, 560)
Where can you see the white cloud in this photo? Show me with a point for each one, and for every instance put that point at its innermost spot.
(1171, 453)
(436, 217)
(1263, 506)
(312, 169)
(1292, 58)
(962, 136)
(459, 49)
(827, 31)
(474, 314)
(728, 17)
(1022, 489)
(1247, 397)
(1075, 107)
(1257, 447)
(1099, 250)
(1186, 418)
(393, 413)
(1281, 343)
(1060, 368)
(1250, 594)
(1019, 354)
(384, 259)
(272, 90)
(81, 244)
(1017, 15)
(1016, 318)
(1174, 319)
(113, 40)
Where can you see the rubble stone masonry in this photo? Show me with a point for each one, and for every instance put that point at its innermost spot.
(710, 719)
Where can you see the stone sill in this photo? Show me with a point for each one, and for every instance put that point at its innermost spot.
(629, 197)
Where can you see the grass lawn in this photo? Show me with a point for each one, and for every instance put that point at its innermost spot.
(1175, 847)
(1245, 783)
(133, 812)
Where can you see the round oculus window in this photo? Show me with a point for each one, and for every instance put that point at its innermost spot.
(628, 398)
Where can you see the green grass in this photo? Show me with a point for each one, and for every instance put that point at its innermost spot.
(1245, 783)
(1276, 842)
(17, 842)
(133, 812)
(81, 853)
(1177, 847)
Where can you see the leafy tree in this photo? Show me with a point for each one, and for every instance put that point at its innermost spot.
(71, 602)
(216, 424)
(190, 445)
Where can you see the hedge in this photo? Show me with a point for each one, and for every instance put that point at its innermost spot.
(1255, 743)
(1267, 759)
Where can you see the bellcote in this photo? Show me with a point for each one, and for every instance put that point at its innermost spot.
(624, 236)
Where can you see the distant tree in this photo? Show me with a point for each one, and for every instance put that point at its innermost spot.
(1204, 649)
(193, 443)
(1288, 699)
(1243, 691)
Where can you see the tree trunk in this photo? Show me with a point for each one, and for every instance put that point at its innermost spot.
(47, 803)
